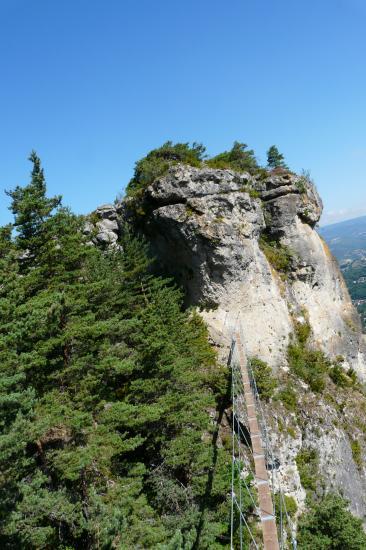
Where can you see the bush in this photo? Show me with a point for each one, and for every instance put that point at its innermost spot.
(302, 331)
(239, 158)
(310, 365)
(329, 525)
(288, 397)
(278, 255)
(290, 503)
(339, 377)
(357, 453)
(158, 162)
(307, 462)
(266, 383)
(304, 181)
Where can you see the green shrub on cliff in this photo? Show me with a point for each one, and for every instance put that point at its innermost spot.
(309, 364)
(157, 163)
(279, 256)
(239, 158)
(265, 381)
(307, 462)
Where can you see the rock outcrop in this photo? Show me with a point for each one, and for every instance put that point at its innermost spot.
(205, 228)
(214, 231)
(105, 229)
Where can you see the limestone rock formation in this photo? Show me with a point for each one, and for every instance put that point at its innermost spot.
(105, 229)
(218, 233)
(204, 227)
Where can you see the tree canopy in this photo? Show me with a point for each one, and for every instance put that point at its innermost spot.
(107, 388)
(157, 162)
(275, 159)
(239, 158)
(330, 526)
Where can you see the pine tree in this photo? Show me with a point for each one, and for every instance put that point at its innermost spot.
(105, 390)
(31, 208)
(274, 158)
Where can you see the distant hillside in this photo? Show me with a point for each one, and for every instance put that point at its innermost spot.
(347, 241)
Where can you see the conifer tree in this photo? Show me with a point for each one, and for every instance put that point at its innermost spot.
(105, 390)
(31, 208)
(275, 159)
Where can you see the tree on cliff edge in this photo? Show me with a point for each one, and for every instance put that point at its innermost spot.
(275, 159)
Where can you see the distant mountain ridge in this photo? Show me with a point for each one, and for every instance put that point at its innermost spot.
(347, 239)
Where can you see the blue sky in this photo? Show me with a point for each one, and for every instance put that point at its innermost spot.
(93, 85)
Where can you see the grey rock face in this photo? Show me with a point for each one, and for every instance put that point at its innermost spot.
(105, 230)
(204, 226)
(106, 211)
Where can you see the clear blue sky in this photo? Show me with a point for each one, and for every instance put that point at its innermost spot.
(93, 85)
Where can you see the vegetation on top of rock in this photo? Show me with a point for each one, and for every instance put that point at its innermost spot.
(304, 181)
(158, 161)
(329, 525)
(239, 159)
(275, 159)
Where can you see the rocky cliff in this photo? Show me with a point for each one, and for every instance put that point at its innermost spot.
(245, 249)
(204, 227)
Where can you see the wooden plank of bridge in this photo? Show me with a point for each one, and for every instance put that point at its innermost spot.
(268, 520)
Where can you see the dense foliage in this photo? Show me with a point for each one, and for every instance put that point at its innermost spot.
(275, 159)
(266, 383)
(157, 162)
(330, 526)
(107, 389)
(239, 158)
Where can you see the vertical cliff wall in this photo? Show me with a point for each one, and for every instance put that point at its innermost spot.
(209, 229)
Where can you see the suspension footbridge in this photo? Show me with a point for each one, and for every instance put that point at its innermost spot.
(254, 477)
